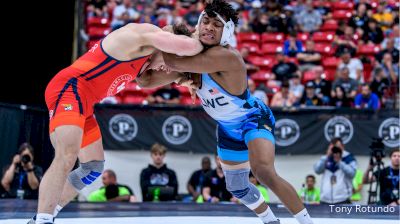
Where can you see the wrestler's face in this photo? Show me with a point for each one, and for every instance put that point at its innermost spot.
(210, 30)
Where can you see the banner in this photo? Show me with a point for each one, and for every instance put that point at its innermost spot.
(304, 131)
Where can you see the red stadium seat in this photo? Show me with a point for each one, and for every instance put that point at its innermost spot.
(261, 76)
(341, 5)
(253, 48)
(324, 49)
(329, 26)
(293, 60)
(248, 38)
(308, 76)
(368, 50)
(330, 63)
(323, 37)
(330, 74)
(303, 36)
(132, 99)
(98, 32)
(272, 37)
(341, 15)
(98, 22)
(265, 63)
(322, 3)
(271, 49)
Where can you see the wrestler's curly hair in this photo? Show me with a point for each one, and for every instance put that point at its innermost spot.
(223, 8)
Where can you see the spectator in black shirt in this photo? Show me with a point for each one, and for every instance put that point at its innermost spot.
(348, 84)
(322, 86)
(380, 83)
(309, 97)
(196, 182)
(359, 21)
(340, 99)
(157, 178)
(283, 70)
(165, 95)
(22, 178)
(309, 58)
(373, 33)
(389, 49)
(388, 180)
(214, 189)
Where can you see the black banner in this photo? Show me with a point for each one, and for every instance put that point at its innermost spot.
(304, 131)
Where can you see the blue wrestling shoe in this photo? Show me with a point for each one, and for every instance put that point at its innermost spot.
(273, 222)
(33, 221)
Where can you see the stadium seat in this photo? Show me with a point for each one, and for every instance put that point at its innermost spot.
(324, 49)
(253, 48)
(368, 50)
(271, 49)
(98, 32)
(331, 62)
(261, 76)
(341, 15)
(342, 5)
(323, 37)
(322, 3)
(273, 38)
(329, 26)
(330, 74)
(98, 22)
(293, 60)
(132, 99)
(308, 76)
(303, 36)
(248, 38)
(265, 63)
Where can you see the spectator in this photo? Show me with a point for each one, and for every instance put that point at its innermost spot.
(395, 35)
(309, 58)
(283, 71)
(148, 16)
(353, 64)
(322, 86)
(273, 10)
(390, 68)
(165, 95)
(348, 84)
(288, 20)
(388, 180)
(244, 51)
(338, 167)
(366, 99)
(379, 83)
(22, 178)
(196, 182)
(260, 24)
(97, 8)
(340, 99)
(390, 48)
(283, 98)
(292, 46)
(357, 186)
(309, 97)
(359, 21)
(341, 28)
(309, 20)
(263, 190)
(346, 41)
(158, 183)
(214, 189)
(310, 194)
(323, 9)
(260, 94)
(192, 16)
(111, 190)
(373, 33)
(187, 3)
(296, 87)
(123, 14)
(383, 17)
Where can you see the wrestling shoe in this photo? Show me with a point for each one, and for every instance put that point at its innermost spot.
(273, 222)
(33, 221)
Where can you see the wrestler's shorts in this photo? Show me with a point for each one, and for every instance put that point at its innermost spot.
(68, 104)
(233, 142)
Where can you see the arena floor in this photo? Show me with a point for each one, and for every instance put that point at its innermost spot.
(19, 211)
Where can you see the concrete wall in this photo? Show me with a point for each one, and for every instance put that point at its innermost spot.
(128, 165)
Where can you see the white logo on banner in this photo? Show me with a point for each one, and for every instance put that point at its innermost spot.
(287, 132)
(123, 127)
(389, 130)
(177, 129)
(339, 127)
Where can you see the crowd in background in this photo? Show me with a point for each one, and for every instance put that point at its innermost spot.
(302, 70)
(341, 183)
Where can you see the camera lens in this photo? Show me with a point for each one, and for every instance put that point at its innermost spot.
(26, 159)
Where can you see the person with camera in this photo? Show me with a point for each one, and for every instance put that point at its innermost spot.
(22, 178)
(388, 180)
(338, 167)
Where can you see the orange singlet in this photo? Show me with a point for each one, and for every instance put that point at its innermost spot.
(72, 93)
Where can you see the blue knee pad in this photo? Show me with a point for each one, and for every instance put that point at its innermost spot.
(238, 183)
(85, 174)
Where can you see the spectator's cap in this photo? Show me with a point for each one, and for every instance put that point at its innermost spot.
(289, 8)
(256, 4)
(310, 85)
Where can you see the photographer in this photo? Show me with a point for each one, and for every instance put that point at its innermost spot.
(21, 179)
(338, 168)
(388, 180)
